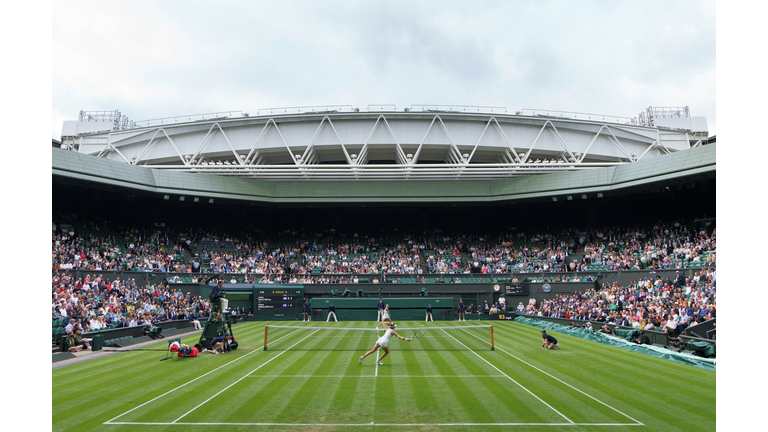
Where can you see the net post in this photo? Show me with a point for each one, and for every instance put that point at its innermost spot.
(266, 328)
(493, 347)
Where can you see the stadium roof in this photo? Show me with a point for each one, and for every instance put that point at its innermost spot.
(680, 167)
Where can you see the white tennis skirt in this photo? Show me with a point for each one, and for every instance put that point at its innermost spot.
(382, 343)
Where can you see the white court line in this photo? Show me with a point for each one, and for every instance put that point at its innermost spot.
(382, 376)
(227, 387)
(189, 382)
(521, 386)
(358, 425)
(551, 376)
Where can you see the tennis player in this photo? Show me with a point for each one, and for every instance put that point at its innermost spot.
(184, 350)
(549, 341)
(385, 317)
(382, 343)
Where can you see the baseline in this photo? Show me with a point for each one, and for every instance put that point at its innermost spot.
(315, 425)
(376, 376)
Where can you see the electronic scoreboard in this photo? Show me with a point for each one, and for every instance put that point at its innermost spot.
(517, 289)
(278, 302)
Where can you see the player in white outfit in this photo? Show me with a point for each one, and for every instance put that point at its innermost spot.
(382, 343)
(386, 317)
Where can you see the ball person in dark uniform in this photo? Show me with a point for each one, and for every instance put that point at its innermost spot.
(549, 341)
(307, 312)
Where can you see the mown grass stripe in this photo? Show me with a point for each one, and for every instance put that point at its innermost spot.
(474, 411)
(304, 389)
(568, 401)
(627, 360)
(617, 378)
(424, 398)
(177, 403)
(470, 354)
(689, 403)
(303, 407)
(350, 394)
(527, 390)
(270, 360)
(205, 375)
(508, 397)
(562, 387)
(276, 388)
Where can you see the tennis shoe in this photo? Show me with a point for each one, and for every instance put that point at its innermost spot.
(558, 346)
(360, 361)
(378, 363)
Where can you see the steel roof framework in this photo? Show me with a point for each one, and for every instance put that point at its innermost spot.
(341, 160)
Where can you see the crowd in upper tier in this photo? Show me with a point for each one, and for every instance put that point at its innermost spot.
(96, 246)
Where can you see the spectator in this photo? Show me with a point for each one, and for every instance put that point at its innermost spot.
(194, 320)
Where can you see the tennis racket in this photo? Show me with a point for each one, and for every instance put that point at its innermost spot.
(417, 334)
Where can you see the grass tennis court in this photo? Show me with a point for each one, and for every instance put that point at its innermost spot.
(310, 379)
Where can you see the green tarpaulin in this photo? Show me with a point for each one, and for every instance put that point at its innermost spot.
(625, 340)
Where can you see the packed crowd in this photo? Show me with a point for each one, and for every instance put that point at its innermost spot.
(94, 302)
(669, 305)
(539, 253)
(669, 245)
(360, 259)
(96, 246)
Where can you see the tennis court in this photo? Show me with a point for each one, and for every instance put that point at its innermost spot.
(309, 378)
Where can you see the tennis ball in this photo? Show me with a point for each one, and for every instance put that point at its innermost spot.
(422, 325)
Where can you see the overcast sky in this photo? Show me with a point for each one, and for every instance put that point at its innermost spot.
(161, 59)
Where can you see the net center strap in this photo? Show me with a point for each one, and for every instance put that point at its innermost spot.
(378, 329)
